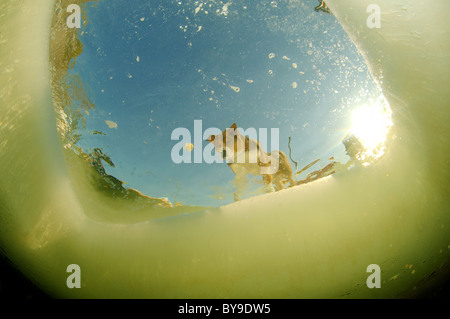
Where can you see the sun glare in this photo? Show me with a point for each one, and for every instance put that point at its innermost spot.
(371, 124)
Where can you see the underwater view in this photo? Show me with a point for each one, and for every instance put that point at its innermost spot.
(225, 149)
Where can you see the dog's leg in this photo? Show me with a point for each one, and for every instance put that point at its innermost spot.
(268, 187)
(279, 186)
(291, 181)
(239, 183)
(240, 180)
(278, 182)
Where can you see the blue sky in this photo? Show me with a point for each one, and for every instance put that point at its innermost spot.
(154, 66)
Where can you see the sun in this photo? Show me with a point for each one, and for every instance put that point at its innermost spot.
(371, 124)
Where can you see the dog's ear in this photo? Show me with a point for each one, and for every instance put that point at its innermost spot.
(211, 138)
(233, 126)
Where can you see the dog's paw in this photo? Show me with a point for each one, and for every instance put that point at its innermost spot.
(269, 189)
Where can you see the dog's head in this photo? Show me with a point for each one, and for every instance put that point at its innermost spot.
(228, 143)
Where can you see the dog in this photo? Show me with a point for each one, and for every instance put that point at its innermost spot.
(245, 156)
